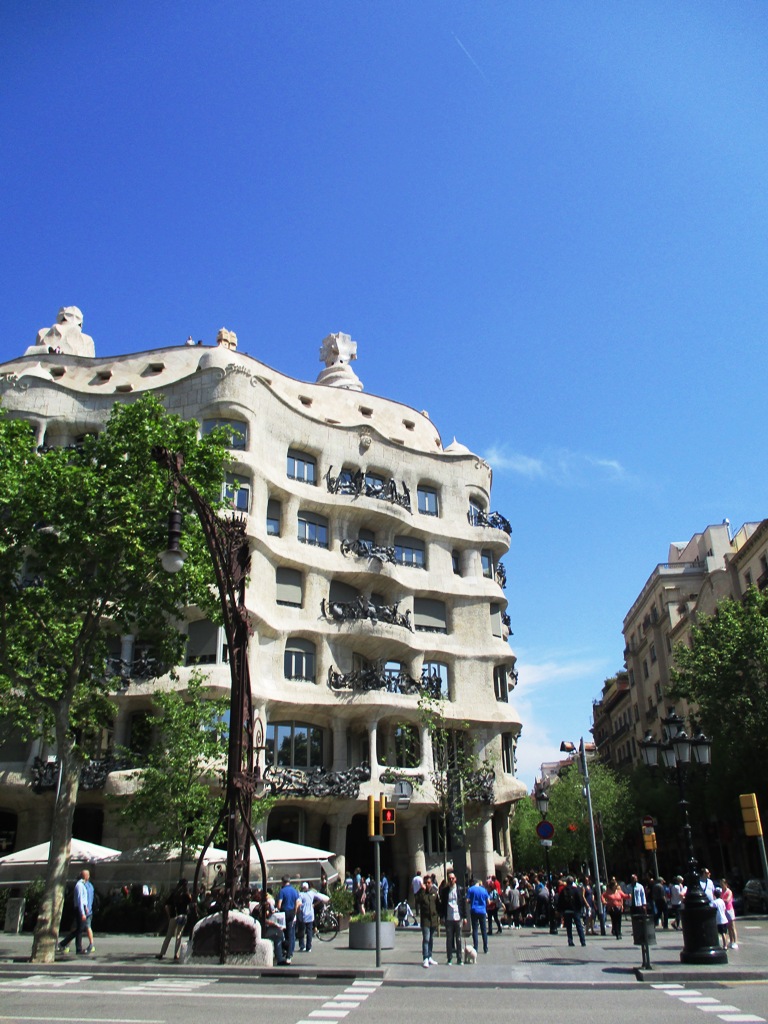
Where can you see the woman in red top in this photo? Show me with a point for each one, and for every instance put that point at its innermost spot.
(613, 898)
(727, 897)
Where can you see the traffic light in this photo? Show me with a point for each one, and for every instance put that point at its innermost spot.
(387, 820)
(750, 814)
(649, 840)
(371, 816)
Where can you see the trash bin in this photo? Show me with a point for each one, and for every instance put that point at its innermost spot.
(643, 930)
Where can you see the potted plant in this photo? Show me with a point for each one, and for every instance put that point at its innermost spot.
(342, 903)
(362, 931)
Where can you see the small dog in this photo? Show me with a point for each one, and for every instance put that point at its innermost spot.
(470, 954)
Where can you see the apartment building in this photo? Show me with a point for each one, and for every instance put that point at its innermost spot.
(377, 577)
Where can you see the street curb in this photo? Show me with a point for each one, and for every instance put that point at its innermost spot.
(687, 977)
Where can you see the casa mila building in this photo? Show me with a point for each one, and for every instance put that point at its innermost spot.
(376, 578)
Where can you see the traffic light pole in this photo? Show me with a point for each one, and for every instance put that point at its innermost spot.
(377, 841)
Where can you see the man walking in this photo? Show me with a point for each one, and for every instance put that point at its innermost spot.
(572, 904)
(477, 896)
(453, 910)
(176, 909)
(639, 901)
(429, 914)
(286, 902)
(83, 900)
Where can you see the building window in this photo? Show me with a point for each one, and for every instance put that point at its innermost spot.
(410, 551)
(496, 621)
(238, 431)
(427, 500)
(429, 615)
(645, 668)
(636, 713)
(486, 560)
(508, 753)
(631, 677)
(455, 563)
(476, 511)
(299, 662)
(274, 514)
(659, 694)
(437, 835)
(653, 653)
(203, 639)
(500, 684)
(374, 483)
(294, 745)
(407, 746)
(237, 492)
(301, 467)
(434, 674)
(289, 584)
(313, 529)
(368, 538)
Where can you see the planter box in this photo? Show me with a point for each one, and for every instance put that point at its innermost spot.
(362, 934)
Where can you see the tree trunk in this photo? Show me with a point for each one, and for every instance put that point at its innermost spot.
(47, 927)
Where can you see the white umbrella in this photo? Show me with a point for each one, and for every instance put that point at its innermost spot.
(24, 865)
(293, 859)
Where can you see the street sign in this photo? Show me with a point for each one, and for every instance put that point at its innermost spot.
(546, 842)
(545, 830)
(648, 821)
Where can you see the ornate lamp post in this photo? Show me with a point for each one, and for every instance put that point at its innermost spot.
(699, 917)
(229, 549)
(570, 748)
(541, 796)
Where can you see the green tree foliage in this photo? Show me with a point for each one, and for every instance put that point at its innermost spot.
(80, 532)
(724, 672)
(571, 846)
(178, 786)
(527, 850)
(454, 775)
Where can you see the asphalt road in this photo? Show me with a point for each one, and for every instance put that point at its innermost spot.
(87, 999)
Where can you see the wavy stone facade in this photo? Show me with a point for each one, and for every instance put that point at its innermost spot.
(375, 576)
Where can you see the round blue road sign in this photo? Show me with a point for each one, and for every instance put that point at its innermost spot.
(545, 830)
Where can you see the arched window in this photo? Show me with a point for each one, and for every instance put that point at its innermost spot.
(301, 466)
(289, 586)
(237, 492)
(410, 551)
(238, 431)
(312, 529)
(294, 745)
(434, 678)
(299, 661)
(429, 615)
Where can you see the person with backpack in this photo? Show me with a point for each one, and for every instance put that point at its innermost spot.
(572, 904)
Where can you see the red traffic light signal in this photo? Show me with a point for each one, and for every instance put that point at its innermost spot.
(387, 821)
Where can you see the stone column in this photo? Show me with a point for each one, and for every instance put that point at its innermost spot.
(427, 765)
(339, 825)
(339, 728)
(373, 750)
(482, 850)
(414, 835)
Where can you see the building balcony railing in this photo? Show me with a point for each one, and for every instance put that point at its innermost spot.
(356, 485)
(361, 610)
(376, 677)
(93, 774)
(651, 714)
(501, 576)
(367, 549)
(317, 782)
(477, 517)
(479, 786)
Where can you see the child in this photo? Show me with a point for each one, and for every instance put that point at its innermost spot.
(722, 917)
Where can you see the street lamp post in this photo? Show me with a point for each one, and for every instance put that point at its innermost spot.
(569, 748)
(229, 549)
(541, 795)
(699, 917)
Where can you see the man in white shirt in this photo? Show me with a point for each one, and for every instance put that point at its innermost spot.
(416, 884)
(638, 897)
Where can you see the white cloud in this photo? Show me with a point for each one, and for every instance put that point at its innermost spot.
(560, 466)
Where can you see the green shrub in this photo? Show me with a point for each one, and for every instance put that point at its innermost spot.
(342, 900)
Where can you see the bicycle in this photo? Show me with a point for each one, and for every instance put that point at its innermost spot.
(326, 924)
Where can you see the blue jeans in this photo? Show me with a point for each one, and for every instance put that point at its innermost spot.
(290, 933)
(482, 920)
(427, 941)
(570, 917)
(309, 930)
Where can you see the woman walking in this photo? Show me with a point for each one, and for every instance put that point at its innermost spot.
(613, 898)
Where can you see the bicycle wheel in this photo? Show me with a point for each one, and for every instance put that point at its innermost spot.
(327, 927)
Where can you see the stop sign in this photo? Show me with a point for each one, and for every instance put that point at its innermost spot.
(648, 821)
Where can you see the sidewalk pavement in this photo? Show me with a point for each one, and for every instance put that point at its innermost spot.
(527, 957)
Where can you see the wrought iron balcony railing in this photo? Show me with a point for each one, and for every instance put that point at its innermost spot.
(367, 549)
(356, 485)
(362, 609)
(317, 782)
(93, 774)
(477, 517)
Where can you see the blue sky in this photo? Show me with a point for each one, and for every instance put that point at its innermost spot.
(545, 223)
